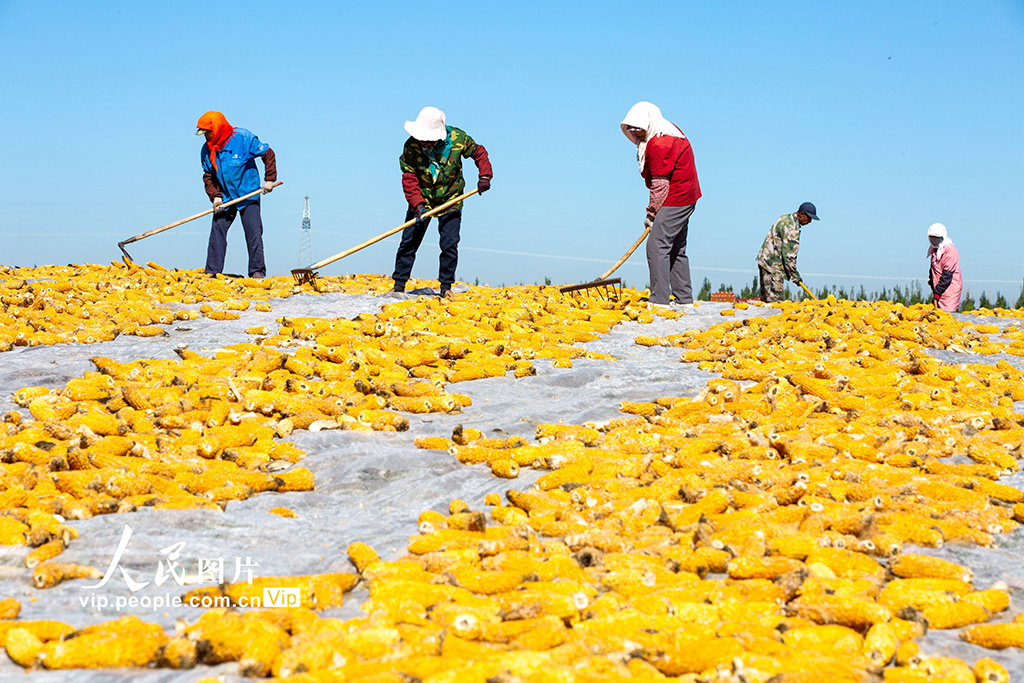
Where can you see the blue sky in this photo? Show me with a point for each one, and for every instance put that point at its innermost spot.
(888, 116)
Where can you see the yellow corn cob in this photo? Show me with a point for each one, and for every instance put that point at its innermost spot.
(696, 655)
(24, 397)
(988, 670)
(179, 653)
(851, 612)
(362, 556)
(824, 638)
(509, 516)
(264, 646)
(919, 593)
(12, 497)
(49, 574)
(9, 608)
(994, 455)
(23, 647)
(907, 654)
(949, 614)
(761, 567)
(488, 583)
(845, 562)
(44, 552)
(99, 650)
(12, 532)
(926, 567)
(506, 469)
(993, 600)
(297, 479)
(880, 643)
(438, 443)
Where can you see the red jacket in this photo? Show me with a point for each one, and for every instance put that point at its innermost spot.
(672, 158)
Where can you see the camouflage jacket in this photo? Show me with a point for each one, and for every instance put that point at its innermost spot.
(438, 171)
(781, 246)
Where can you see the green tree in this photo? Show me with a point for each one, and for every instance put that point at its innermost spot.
(967, 303)
(1001, 301)
(754, 290)
(916, 295)
(983, 301)
(1020, 298)
(705, 291)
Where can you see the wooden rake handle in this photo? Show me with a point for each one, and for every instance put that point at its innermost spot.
(809, 292)
(647, 231)
(175, 224)
(392, 231)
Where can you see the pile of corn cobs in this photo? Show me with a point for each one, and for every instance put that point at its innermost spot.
(752, 533)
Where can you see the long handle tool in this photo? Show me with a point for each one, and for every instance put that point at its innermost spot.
(175, 224)
(603, 282)
(304, 275)
(809, 292)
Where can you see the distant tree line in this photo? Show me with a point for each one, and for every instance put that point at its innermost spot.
(908, 296)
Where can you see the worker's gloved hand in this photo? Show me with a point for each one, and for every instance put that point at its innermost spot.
(651, 213)
(483, 184)
(418, 212)
(267, 187)
(648, 223)
(217, 201)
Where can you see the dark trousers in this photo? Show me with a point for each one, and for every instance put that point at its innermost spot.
(252, 224)
(448, 226)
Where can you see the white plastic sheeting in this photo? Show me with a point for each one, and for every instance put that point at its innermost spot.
(370, 486)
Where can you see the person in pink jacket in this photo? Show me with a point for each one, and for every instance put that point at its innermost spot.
(944, 277)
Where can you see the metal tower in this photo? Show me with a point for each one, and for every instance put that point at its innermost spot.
(305, 240)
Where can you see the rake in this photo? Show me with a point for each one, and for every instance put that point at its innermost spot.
(608, 288)
(809, 292)
(308, 275)
(154, 231)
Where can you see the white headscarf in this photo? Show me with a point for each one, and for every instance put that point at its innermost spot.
(938, 230)
(648, 117)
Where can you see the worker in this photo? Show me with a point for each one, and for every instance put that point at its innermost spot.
(776, 262)
(431, 164)
(666, 164)
(229, 171)
(944, 275)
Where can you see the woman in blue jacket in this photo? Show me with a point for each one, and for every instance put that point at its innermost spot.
(229, 172)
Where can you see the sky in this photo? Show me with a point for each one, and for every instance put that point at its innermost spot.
(887, 116)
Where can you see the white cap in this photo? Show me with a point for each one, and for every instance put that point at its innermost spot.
(428, 126)
(937, 230)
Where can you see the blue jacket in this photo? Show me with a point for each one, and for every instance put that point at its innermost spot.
(236, 171)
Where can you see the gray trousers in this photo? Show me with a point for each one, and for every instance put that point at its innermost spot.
(666, 255)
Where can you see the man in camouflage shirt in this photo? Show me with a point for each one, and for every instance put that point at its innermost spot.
(431, 163)
(776, 261)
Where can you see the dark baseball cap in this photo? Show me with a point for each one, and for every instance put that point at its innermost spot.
(809, 209)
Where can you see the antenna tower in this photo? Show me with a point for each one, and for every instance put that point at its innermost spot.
(305, 240)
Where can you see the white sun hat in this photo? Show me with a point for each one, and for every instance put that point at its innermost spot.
(428, 126)
(937, 230)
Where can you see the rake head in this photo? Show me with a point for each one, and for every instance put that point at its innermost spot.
(304, 275)
(602, 289)
(127, 256)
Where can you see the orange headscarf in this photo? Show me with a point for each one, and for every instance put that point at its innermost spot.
(215, 122)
